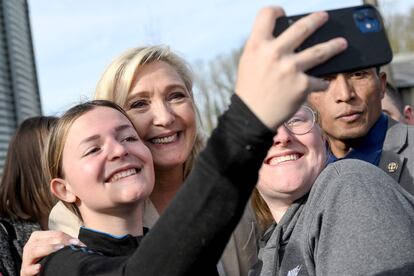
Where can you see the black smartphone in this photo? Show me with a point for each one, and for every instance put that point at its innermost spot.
(361, 26)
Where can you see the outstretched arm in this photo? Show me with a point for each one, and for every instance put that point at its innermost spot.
(271, 86)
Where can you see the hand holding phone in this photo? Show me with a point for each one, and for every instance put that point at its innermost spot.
(361, 26)
(271, 79)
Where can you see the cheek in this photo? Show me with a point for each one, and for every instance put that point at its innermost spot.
(263, 176)
(141, 123)
(263, 184)
(146, 154)
(191, 123)
(75, 169)
(83, 173)
(187, 113)
(318, 157)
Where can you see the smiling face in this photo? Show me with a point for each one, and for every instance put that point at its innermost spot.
(292, 165)
(350, 106)
(105, 164)
(162, 110)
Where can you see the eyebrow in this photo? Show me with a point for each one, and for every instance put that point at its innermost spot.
(97, 136)
(167, 88)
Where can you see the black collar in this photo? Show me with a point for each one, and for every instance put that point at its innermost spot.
(110, 245)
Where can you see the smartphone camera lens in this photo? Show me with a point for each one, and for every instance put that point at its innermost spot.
(359, 16)
(366, 20)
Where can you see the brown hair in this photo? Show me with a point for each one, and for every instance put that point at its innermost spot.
(24, 189)
(117, 81)
(261, 211)
(57, 140)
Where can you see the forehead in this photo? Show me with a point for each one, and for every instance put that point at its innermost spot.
(96, 121)
(158, 73)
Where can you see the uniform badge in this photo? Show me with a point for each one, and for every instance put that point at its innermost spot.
(392, 167)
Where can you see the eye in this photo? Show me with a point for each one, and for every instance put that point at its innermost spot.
(358, 74)
(295, 121)
(92, 150)
(176, 96)
(130, 139)
(139, 104)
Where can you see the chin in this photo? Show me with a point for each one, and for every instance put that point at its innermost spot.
(349, 133)
(353, 134)
(169, 163)
(133, 196)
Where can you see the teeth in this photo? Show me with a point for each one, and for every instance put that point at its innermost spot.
(280, 159)
(122, 174)
(164, 140)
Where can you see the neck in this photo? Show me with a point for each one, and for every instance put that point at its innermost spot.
(278, 208)
(167, 184)
(119, 222)
(339, 148)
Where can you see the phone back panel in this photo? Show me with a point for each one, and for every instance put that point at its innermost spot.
(361, 26)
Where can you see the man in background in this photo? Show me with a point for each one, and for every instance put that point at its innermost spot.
(350, 114)
(393, 106)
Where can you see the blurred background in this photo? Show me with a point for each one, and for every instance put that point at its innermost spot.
(53, 52)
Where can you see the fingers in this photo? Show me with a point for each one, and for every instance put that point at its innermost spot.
(55, 237)
(38, 251)
(271, 74)
(264, 24)
(41, 244)
(30, 270)
(293, 37)
(319, 53)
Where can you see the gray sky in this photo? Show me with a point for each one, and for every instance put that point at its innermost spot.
(74, 40)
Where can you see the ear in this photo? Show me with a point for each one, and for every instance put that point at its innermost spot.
(408, 115)
(383, 83)
(62, 190)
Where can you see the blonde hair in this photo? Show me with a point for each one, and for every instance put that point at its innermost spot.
(118, 79)
(57, 139)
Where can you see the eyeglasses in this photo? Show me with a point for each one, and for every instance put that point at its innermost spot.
(302, 122)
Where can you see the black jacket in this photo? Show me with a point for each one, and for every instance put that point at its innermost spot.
(190, 236)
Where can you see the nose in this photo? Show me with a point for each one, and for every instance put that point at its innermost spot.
(342, 89)
(116, 150)
(163, 114)
(283, 137)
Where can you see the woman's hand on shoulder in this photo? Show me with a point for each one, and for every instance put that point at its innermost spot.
(41, 244)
